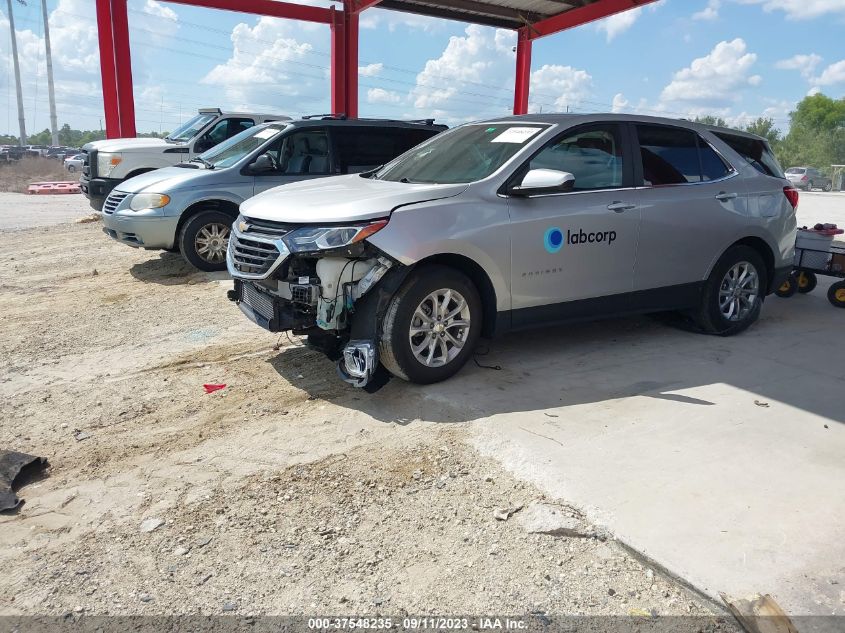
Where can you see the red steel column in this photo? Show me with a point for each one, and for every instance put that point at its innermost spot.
(123, 68)
(351, 64)
(104, 30)
(523, 72)
(338, 62)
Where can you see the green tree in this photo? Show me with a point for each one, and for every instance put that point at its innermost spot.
(765, 128)
(817, 135)
(709, 119)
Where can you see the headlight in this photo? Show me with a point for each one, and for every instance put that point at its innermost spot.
(148, 201)
(321, 238)
(106, 162)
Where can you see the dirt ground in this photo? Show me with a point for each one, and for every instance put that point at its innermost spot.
(16, 176)
(287, 492)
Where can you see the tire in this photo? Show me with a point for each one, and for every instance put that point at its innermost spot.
(71, 169)
(414, 298)
(807, 281)
(206, 227)
(810, 186)
(788, 288)
(739, 261)
(836, 294)
(828, 187)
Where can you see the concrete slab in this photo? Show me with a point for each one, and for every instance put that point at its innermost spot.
(719, 458)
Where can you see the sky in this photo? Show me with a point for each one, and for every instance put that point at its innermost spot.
(738, 59)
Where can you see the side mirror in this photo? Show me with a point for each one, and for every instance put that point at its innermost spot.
(540, 181)
(262, 165)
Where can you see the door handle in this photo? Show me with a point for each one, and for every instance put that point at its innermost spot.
(620, 207)
(722, 196)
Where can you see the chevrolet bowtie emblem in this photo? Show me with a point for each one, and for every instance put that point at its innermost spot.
(243, 227)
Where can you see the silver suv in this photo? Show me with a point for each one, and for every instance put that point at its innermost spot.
(511, 223)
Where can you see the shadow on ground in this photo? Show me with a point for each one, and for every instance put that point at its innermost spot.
(792, 355)
(171, 269)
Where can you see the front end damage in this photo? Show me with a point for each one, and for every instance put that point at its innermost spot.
(335, 293)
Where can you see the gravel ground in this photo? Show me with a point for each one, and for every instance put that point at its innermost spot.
(285, 492)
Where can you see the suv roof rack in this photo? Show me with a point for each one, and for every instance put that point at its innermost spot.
(343, 117)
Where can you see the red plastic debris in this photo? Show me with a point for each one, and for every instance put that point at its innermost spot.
(213, 388)
(53, 187)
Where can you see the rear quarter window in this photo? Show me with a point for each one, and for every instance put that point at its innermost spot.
(756, 153)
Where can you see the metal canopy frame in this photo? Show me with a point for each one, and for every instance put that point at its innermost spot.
(532, 19)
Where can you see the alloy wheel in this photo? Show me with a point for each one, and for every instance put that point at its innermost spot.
(439, 327)
(739, 291)
(211, 242)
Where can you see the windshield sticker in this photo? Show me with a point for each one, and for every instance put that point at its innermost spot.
(268, 133)
(516, 135)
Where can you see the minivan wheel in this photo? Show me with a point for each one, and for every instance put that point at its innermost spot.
(204, 239)
(733, 294)
(431, 326)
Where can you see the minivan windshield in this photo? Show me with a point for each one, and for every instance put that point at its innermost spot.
(234, 149)
(188, 130)
(462, 155)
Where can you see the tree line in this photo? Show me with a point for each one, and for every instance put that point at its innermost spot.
(69, 137)
(816, 136)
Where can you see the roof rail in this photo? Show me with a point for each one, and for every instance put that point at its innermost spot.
(339, 116)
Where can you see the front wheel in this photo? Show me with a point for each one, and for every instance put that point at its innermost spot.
(204, 239)
(828, 187)
(431, 326)
(836, 294)
(733, 293)
(71, 169)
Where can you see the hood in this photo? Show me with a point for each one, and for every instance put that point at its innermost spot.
(128, 144)
(340, 199)
(170, 179)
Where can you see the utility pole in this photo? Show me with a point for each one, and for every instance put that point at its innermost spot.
(54, 124)
(21, 120)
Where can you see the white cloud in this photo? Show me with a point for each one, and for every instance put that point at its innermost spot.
(270, 67)
(566, 85)
(713, 81)
(805, 64)
(710, 12)
(370, 70)
(832, 75)
(800, 9)
(620, 103)
(380, 95)
(812, 92)
(481, 61)
(618, 23)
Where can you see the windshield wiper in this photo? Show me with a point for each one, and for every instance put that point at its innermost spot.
(208, 165)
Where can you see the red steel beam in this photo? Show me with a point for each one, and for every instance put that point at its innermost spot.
(351, 64)
(582, 15)
(523, 71)
(123, 68)
(338, 62)
(271, 8)
(356, 6)
(110, 105)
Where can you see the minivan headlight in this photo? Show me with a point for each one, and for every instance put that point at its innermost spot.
(320, 238)
(148, 201)
(106, 162)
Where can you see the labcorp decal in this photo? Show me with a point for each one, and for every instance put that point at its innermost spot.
(554, 238)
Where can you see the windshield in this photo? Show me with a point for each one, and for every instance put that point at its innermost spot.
(795, 170)
(234, 149)
(187, 131)
(464, 154)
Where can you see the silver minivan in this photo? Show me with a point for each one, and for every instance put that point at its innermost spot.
(511, 223)
(190, 207)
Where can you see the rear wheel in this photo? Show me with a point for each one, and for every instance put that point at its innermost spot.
(733, 294)
(806, 281)
(204, 239)
(828, 186)
(71, 169)
(431, 326)
(789, 287)
(836, 294)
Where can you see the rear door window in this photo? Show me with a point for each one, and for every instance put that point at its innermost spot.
(362, 148)
(676, 156)
(756, 152)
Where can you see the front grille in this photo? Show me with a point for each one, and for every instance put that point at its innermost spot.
(89, 163)
(113, 201)
(252, 257)
(257, 300)
(266, 228)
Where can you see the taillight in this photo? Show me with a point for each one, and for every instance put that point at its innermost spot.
(803, 178)
(791, 194)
